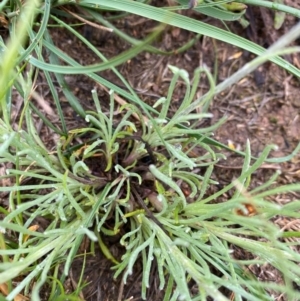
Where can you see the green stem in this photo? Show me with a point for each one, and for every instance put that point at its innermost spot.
(272, 5)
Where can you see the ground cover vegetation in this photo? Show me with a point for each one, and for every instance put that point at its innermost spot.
(134, 173)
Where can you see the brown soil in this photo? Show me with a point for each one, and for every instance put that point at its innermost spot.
(264, 107)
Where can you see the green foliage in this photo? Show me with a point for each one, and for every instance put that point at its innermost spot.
(152, 177)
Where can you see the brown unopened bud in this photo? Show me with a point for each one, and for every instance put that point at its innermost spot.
(155, 202)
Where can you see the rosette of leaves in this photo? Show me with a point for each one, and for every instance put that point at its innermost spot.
(146, 182)
(122, 173)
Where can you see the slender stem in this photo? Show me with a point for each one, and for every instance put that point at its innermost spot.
(273, 5)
